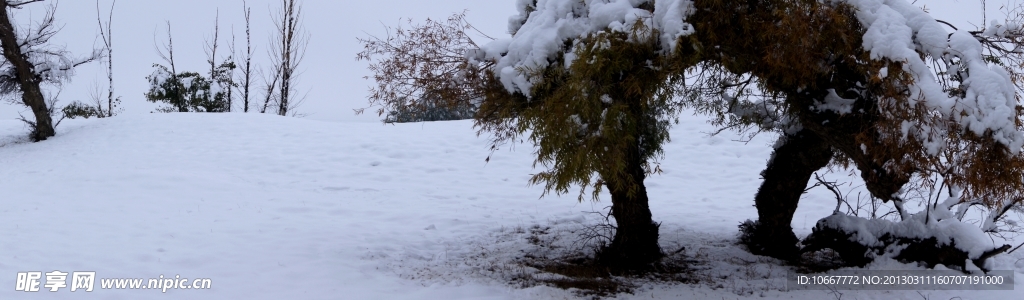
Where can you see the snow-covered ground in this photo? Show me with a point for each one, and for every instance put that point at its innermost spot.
(282, 208)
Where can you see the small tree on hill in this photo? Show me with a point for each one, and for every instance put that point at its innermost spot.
(188, 91)
(184, 92)
(107, 36)
(288, 49)
(221, 74)
(245, 81)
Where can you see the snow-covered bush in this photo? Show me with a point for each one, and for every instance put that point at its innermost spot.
(78, 109)
(932, 238)
(956, 232)
(185, 92)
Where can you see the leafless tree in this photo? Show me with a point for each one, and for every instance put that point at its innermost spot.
(270, 77)
(288, 47)
(108, 41)
(245, 82)
(29, 60)
(168, 57)
(437, 78)
(211, 47)
(221, 73)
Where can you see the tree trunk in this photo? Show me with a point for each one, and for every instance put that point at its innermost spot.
(785, 179)
(635, 245)
(31, 94)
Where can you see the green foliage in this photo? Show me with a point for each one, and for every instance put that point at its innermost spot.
(189, 91)
(223, 76)
(596, 122)
(429, 111)
(78, 109)
(771, 77)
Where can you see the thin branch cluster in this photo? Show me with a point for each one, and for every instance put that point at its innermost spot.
(424, 67)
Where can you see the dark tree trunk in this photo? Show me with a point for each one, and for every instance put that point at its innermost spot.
(785, 179)
(635, 245)
(31, 94)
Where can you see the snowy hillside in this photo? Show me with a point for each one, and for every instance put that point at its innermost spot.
(282, 208)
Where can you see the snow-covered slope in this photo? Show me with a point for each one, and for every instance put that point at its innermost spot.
(282, 208)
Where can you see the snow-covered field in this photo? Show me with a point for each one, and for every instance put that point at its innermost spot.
(282, 208)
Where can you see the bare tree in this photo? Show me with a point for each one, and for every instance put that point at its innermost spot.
(169, 48)
(270, 77)
(246, 68)
(29, 60)
(211, 47)
(108, 41)
(287, 51)
(417, 91)
(221, 73)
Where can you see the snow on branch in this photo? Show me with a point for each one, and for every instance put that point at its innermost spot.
(18, 4)
(54, 64)
(984, 99)
(543, 29)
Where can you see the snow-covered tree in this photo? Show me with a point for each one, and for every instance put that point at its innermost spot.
(222, 73)
(184, 92)
(29, 61)
(190, 91)
(886, 88)
(589, 83)
(875, 85)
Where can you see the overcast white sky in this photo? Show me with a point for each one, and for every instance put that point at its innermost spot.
(332, 76)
